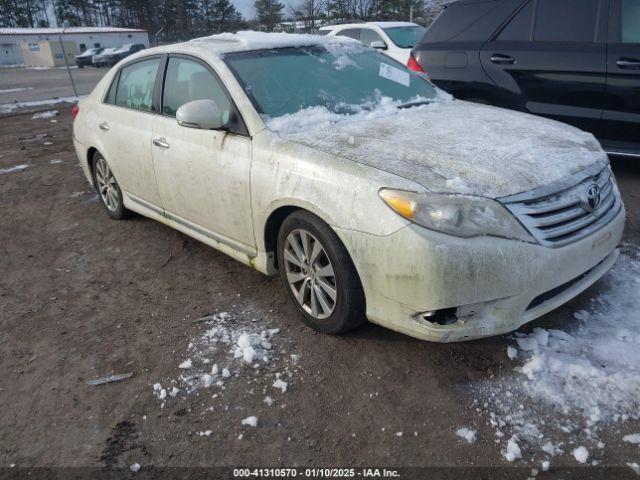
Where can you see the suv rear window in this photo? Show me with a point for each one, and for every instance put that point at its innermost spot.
(630, 21)
(455, 21)
(552, 25)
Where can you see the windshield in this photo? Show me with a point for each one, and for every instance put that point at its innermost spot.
(348, 80)
(405, 37)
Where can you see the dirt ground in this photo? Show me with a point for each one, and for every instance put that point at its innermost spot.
(83, 296)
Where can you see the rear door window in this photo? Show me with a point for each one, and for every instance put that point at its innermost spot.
(135, 87)
(350, 32)
(630, 21)
(565, 20)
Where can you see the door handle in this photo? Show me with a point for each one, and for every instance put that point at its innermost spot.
(628, 63)
(104, 126)
(161, 142)
(502, 59)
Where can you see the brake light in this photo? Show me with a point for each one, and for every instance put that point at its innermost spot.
(412, 64)
(75, 110)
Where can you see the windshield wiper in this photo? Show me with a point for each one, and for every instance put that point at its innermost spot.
(415, 103)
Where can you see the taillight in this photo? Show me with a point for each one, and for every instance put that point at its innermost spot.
(412, 64)
(75, 110)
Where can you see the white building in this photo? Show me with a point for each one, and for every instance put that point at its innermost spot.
(11, 39)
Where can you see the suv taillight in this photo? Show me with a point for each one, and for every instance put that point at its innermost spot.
(74, 111)
(412, 64)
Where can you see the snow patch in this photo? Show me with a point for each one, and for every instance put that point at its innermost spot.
(231, 352)
(251, 421)
(633, 438)
(569, 385)
(15, 168)
(10, 107)
(186, 364)
(581, 454)
(47, 114)
(467, 434)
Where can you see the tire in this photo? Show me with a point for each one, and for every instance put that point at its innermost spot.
(306, 270)
(108, 189)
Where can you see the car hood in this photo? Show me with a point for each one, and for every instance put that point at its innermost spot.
(455, 147)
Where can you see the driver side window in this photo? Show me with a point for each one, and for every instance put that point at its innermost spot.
(368, 36)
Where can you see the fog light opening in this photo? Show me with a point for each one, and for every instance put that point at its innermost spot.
(446, 316)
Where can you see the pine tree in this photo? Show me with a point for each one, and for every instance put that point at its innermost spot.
(269, 13)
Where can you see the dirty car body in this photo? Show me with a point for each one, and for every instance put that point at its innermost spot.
(461, 220)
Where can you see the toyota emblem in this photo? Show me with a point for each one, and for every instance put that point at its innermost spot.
(592, 198)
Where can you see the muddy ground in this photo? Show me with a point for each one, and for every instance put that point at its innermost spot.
(83, 296)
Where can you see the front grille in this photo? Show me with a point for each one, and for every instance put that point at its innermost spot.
(564, 216)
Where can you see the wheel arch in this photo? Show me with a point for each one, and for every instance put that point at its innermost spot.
(90, 163)
(276, 217)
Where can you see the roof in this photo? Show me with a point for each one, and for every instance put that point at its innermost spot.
(250, 40)
(68, 31)
(379, 24)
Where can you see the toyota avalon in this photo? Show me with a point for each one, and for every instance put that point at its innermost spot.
(372, 194)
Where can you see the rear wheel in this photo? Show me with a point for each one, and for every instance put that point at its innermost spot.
(108, 188)
(319, 275)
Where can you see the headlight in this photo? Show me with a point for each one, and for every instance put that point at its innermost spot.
(459, 215)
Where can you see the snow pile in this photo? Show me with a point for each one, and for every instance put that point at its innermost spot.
(496, 152)
(466, 433)
(47, 114)
(572, 383)
(10, 107)
(229, 350)
(322, 118)
(250, 40)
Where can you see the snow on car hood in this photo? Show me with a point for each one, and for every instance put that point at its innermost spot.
(449, 146)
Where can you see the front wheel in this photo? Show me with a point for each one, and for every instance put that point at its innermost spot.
(319, 275)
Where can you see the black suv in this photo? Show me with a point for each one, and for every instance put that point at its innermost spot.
(577, 61)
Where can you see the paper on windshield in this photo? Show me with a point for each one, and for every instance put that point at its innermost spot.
(394, 74)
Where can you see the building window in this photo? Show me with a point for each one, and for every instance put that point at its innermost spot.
(34, 47)
(96, 45)
(83, 47)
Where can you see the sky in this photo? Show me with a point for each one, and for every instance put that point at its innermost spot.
(245, 7)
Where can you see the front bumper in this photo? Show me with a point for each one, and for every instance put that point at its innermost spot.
(495, 284)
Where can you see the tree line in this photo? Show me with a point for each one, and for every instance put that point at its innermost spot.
(176, 20)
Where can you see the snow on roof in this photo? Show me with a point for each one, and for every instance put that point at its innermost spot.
(68, 31)
(250, 40)
(379, 24)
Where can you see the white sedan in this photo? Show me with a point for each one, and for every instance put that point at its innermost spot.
(372, 193)
(394, 39)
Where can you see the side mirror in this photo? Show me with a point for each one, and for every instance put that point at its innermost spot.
(203, 114)
(378, 45)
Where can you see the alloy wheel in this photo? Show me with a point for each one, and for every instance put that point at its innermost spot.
(107, 186)
(310, 274)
